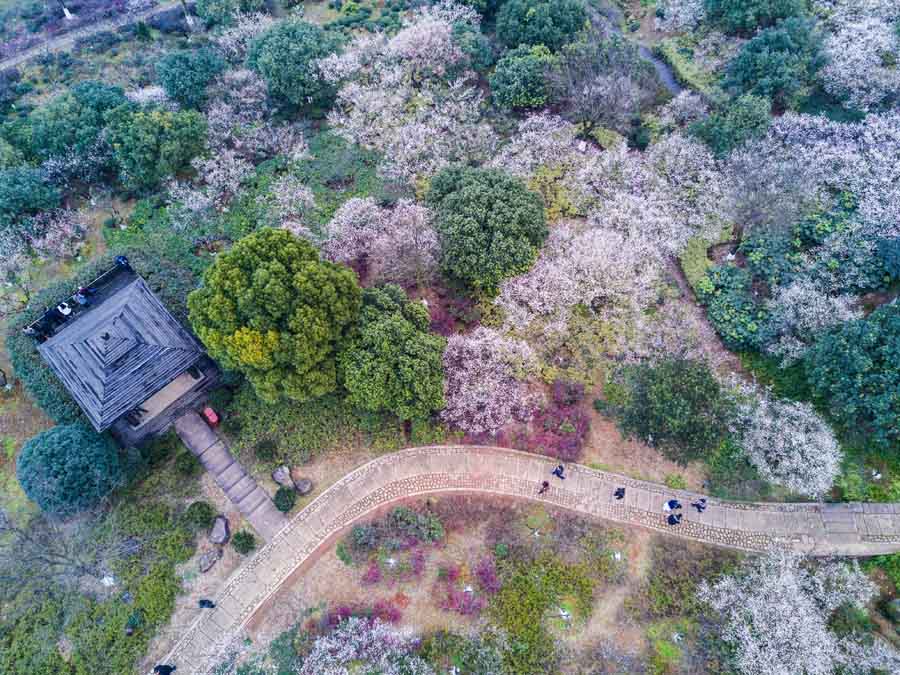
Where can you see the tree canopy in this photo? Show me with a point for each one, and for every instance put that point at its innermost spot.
(745, 16)
(392, 363)
(520, 78)
(23, 193)
(185, 75)
(552, 23)
(271, 309)
(285, 56)
(490, 225)
(68, 469)
(221, 12)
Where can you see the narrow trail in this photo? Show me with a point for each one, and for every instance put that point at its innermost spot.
(814, 529)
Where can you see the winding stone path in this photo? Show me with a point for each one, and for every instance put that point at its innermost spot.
(812, 529)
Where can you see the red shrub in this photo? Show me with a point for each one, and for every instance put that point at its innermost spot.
(486, 573)
(372, 575)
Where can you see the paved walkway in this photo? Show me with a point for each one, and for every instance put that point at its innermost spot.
(252, 501)
(66, 41)
(811, 529)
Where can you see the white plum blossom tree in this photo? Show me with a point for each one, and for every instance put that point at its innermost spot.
(788, 442)
(483, 386)
(776, 611)
(54, 234)
(362, 645)
(684, 109)
(288, 203)
(234, 40)
(675, 15)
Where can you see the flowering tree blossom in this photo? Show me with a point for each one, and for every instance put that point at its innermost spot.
(52, 234)
(151, 96)
(800, 312)
(788, 442)
(219, 181)
(400, 243)
(675, 15)
(862, 57)
(79, 166)
(686, 108)
(362, 645)
(234, 40)
(776, 611)
(288, 203)
(482, 386)
(426, 45)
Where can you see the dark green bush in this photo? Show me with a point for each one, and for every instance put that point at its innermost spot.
(476, 45)
(745, 16)
(187, 464)
(185, 75)
(68, 469)
(284, 499)
(423, 526)
(266, 450)
(737, 317)
(199, 516)
(244, 542)
(551, 23)
(23, 193)
(520, 78)
(770, 257)
(365, 537)
(738, 121)
(676, 405)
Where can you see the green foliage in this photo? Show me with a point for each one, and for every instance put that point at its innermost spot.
(490, 225)
(695, 262)
(520, 78)
(675, 481)
(185, 74)
(284, 499)
(889, 256)
(520, 607)
(552, 23)
(68, 469)
(474, 44)
(27, 643)
(770, 257)
(187, 464)
(152, 145)
(285, 57)
(738, 319)
(677, 405)
(73, 121)
(855, 370)
(779, 63)
(272, 310)
(266, 450)
(424, 526)
(889, 564)
(199, 516)
(480, 654)
(155, 594)
(732, 125)
(745, 16)
(221, 12)
(730, 474)
(392, 364)
(243, 542)
(23, 193)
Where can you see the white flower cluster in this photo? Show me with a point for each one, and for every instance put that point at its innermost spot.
(676, 15)
(151, 96)
(234, 40)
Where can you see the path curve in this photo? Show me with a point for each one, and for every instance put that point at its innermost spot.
(67, 40)
(812, 529)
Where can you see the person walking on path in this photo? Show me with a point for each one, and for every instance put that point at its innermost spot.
(674, 518)
(544, 487)
(206, 604)
(164, 670)
(672, 505)
(619, 493)
(700, 505)
(558, 471)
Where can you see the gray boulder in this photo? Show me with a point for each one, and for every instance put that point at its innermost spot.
(302, 485)
(282, 476)
(220, 531)
(209, 558)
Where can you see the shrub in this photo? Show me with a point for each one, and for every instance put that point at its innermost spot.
(552, 23)
(676, 405)
(738, 319)
(425, 527)
(243, 542)
(199, 516)
(185, 75)
(520, 78)
(23, 193)
(738, 121)
(365, 537)
(266, 450)
(187, 464)
(745, 16)
(779, 63)
(285, 498)
(490, 225)
(68, 469)
(222, 12)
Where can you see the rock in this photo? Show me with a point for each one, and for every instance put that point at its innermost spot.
(219, 533)
(302, 485)
(282, 476)
(893, 610)
(209, 558)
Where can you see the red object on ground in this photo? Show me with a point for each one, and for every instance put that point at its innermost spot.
(212, 419)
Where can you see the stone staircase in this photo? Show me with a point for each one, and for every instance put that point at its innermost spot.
(252, 501)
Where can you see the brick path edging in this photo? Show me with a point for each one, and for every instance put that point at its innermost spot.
(811, 529)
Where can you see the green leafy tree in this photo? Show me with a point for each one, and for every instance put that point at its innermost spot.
(856, 371)
(285, 56)
(676, 405)
(738, 121)
(490, 225)
(73, 121)
(745, 16)
(68, 469)
(779, 63)
(540, 22)
(152, 145)
(520, 78)
(271, 309)
(23, 193)
(186, 74)
(221, 12)
(393, 364)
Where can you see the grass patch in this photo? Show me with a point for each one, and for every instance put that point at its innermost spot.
(678, 54)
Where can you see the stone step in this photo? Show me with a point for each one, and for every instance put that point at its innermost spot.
(228, 478)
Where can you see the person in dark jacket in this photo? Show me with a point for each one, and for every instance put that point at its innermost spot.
(672, 505)
(544, 487)
(164, 670)
(206, 604)
(674, 518)
(619, 493)
(558, 471)
(700, 505)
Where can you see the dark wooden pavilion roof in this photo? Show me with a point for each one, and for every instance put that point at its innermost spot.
(119, 352)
